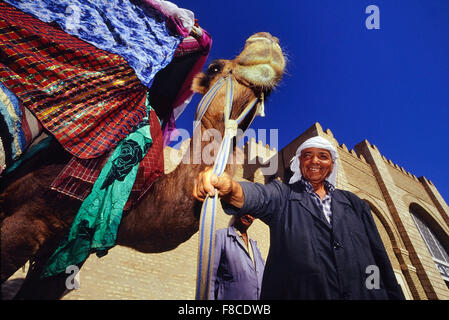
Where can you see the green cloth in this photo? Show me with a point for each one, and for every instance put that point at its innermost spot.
(96, 223)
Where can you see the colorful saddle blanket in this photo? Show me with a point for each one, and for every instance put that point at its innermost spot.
(79, 175)
(137, 33)
(89, 99)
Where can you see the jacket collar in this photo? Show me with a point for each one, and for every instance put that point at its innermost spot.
(299, 193)
(233, 233)
(339, 204)
(340, 198)
(339, 201)
(309, 188)
(298, 190)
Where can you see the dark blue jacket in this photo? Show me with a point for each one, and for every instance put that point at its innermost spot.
(234, 276)
(309, 258)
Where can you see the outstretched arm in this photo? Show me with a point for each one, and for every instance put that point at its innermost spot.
(261, 201)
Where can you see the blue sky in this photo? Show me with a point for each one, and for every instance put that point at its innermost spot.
(389, 86)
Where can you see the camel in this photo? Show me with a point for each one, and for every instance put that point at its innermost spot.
(33, 219)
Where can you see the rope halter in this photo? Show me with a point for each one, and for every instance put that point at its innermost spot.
(208, 210)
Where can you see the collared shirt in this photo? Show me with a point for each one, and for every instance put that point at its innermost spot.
(234, 276)
(249, 247)
(325, 203)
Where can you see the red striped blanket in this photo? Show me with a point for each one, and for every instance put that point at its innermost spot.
(79, 175)
(89, 99)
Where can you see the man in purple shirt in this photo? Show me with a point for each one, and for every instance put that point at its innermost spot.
(238, 265)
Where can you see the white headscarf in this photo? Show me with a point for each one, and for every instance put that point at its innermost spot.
(315, 142)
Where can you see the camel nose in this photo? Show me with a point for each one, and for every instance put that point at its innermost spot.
(263, 54)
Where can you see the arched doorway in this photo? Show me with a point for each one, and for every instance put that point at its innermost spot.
(389, 241)
(438, 250)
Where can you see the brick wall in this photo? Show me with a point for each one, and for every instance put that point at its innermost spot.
(390, 191)
(127, 274)
(388, 188)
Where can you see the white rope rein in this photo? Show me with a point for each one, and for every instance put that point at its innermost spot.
(208, 210)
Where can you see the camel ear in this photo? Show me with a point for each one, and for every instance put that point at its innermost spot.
(200, 83)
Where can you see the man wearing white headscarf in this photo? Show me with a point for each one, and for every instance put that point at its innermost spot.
(324, 243)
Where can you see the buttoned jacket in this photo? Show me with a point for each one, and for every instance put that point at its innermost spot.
(312, 259)
(235, 276)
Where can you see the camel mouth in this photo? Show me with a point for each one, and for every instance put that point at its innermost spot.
(262, 62)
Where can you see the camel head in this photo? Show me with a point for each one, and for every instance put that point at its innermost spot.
(255, 73)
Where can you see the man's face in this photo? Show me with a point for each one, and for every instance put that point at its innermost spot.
(316, 164)
(246, 220)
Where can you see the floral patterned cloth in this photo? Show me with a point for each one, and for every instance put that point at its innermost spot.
(96, 223)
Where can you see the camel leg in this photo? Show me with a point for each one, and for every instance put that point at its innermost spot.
(19, 241)
(50, 288)
(31, 230)
(35, 288)
(24, 238)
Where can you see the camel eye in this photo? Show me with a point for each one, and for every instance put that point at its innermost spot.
(214, 68)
